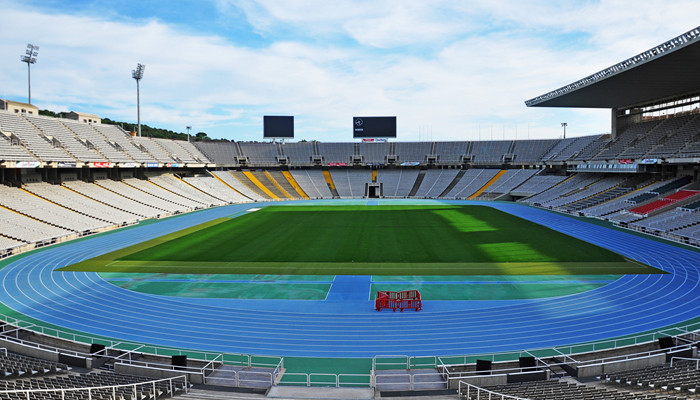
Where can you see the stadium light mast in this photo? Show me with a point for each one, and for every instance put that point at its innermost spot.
(138, 74)
(30, 58)
(564, 125)
(188, 133)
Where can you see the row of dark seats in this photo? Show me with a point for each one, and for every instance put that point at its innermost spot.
(673, 185)
(16, 366)
(683, 377)
(560, 390)
(71, 381)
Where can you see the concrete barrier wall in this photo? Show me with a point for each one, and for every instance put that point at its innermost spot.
(29, 350)
(622, 365)
(481, 380)
(157, 373)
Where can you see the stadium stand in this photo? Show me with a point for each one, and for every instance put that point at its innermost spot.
(80, 150)
(337, 152)
(681, 377)
(223, 153)
(512, 179)
(113, 150)
(664, 202)
(571, 185)
(130, 191)
(351, 183)
(375, 153)
(261, 154)
(531, 151)
(25, 229)
(32, 206)
(41, 146)
(397, 183)
(300, 154)
(450, 152)
(435, 182)
(176, 185)
(155, 149)
(217, 188)
(313, 183)
(232, 180)
(81, 204)
(412, 151)
(556, 389)
(470, 182)
(115, 200)
(176, 151)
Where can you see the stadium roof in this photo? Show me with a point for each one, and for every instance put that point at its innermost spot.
(663, 72)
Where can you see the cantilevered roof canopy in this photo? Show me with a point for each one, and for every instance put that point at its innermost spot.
(669, 70)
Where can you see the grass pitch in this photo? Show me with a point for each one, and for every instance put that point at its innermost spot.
(367, 240)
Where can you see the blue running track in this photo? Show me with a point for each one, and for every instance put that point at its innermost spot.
(345, 324)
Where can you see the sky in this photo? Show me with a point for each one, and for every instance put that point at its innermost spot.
(448, 70)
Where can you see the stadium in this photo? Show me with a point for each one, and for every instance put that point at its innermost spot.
(142, 267)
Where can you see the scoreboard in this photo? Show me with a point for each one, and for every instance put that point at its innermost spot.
(276, 126)
(373, 127)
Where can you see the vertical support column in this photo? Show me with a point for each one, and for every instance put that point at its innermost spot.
(613, 123)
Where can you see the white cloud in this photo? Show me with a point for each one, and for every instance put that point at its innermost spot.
(430, 63)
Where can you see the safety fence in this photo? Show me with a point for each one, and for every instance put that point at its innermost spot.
(472, 392)
(151, 389)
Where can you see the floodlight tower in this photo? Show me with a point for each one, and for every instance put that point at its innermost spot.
(564, 125)
(188, 133)
(30, 58)
(138, 74)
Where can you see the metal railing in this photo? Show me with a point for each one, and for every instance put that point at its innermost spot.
(328, 380)
(412, 381)
(695, 360)
(115, 391)
(474, 392)
(242, 378)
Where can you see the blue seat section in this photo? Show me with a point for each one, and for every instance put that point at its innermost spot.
(346, 325)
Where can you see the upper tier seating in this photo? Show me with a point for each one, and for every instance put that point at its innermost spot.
(33, 139)
(219, 152)
(81, 150)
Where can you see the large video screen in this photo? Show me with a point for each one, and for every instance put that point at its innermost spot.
(374, 127)
(277, 126)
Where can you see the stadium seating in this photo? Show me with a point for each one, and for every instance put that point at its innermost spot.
(471, 181)
(114, 199)
(41, 146)
(216, 188)
(313, 183)
(397, 183)
(683, 377)
(558, 389)
(435, 182)
(351, 183)
(665, 202)
(223, 153)
(233, 179)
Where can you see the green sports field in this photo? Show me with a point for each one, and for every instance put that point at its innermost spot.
(401, 240)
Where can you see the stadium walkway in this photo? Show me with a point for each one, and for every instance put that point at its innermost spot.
(351, 328)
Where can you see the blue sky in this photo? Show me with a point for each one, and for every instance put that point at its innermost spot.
(449, 70)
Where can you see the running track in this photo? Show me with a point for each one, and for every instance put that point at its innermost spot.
(349, 327)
